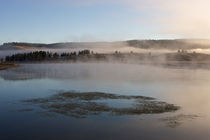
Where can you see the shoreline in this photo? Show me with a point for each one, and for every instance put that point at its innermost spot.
(4, 66)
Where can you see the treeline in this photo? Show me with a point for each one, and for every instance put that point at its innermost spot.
(24, 44)
(87, 55)
(45, 56)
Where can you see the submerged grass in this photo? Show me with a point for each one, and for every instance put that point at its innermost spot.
(81, 105)
(175, 121)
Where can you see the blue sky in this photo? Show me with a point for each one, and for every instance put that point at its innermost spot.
(91, 20)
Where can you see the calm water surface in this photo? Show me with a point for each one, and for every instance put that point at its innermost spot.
(187, 88)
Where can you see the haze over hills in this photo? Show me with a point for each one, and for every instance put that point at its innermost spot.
(66, 45)
(184, 44)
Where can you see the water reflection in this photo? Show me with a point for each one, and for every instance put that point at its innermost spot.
(100, 71)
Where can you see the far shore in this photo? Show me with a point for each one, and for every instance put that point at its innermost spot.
(4, 66)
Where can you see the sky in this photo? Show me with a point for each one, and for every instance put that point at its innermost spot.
(48, 21)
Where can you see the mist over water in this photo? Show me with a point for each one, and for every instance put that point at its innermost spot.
(133, 70)
(187, 88)
(41, 86)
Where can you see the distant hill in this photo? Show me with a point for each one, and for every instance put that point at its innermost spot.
(184, 44)
(25, 46)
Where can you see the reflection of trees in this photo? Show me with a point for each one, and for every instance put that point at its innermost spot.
(84, 104)
(40, 71)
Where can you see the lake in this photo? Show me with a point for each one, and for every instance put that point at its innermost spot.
(187, 88)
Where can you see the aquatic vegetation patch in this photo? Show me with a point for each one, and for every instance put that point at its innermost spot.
(80, 105)
(175, 121)
(25, 110)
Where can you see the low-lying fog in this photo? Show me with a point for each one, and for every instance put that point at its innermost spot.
(138, 46)
(187, 88)
(98, 71)
(4, 53)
